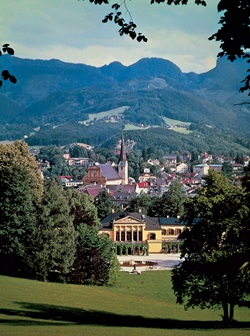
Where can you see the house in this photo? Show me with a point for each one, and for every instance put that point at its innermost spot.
(170, 159)
(217, 167)
(77, 161)
(136, 233)
(181, 168)
(146, 175)
(201, 169)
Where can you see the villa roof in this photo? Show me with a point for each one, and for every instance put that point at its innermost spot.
(151, 223)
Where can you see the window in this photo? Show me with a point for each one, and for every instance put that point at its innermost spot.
(135, 236)
(163, 232)
(117, 236)
(177, 232)
(152, 236)
(129, 236)
(122, 236)
(170, 232)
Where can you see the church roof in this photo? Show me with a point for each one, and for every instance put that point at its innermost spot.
(109, 172)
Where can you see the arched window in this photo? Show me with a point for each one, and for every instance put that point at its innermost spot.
(177, 232)
(170, 232)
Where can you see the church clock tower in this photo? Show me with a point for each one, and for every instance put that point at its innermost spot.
(123, 164)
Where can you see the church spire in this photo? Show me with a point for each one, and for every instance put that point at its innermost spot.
(122, 157)
(123, 163)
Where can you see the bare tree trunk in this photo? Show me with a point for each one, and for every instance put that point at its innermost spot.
(231, 311)
(225, 311)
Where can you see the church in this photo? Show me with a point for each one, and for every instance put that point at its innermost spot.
(106, 175)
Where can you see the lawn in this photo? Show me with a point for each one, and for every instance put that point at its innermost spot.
(101, 115)
(137, 305)
(175, 122)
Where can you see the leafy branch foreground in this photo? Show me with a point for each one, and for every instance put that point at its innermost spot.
(5, 73)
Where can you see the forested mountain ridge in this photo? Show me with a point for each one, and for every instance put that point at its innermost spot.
(53, 96)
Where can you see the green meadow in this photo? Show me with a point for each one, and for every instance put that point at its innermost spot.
(136, 305)
(109, 113)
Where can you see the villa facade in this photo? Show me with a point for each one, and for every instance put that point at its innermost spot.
(136, 233)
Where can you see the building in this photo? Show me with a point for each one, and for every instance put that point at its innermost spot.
(201, 169)
(136, 233)
(123, 164)
(105, 174)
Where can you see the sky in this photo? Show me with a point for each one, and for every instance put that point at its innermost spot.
(72, 31)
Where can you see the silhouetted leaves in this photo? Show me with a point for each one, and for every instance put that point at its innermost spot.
(234, 33)
(5, 73)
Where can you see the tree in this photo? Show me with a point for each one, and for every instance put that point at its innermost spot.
(55, 157)
(104, 204)
(140, 203)
(215, 246)
(5, 73)
(233, 35)
(82, 208)
(78, 151)
(52, 249)
(227, 169)
(21, 189)
(95, 263)
(171, 202)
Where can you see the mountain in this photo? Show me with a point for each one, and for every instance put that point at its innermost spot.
(53, 97)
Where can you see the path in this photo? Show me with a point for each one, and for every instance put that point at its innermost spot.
(164, 261)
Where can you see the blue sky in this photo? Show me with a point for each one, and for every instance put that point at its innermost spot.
(72, 31)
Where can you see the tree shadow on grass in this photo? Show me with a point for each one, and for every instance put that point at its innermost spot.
(43, 314)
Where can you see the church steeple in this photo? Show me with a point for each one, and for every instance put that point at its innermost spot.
(123, 163)
(122, 157)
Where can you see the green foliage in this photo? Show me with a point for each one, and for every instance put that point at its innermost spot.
(20, 191)
(82, 208)
(78, 152)
(171, 203)
(95, 263)
(54, 156)
(104, 204)
(141, 202)
(53, 243)
(214, 246)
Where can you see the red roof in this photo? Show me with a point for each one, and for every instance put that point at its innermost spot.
(143, 184)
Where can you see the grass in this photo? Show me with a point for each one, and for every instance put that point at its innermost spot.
(130, 127)
(137, 305)
(101, 115)
(181, 130)
(175, 122)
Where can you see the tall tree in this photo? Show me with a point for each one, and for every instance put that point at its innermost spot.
(140, 203)
(214, 247)
(96, 262)
(52, 249)
(82, 208)
(172, 200)
(104, 204)
(21, 189)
